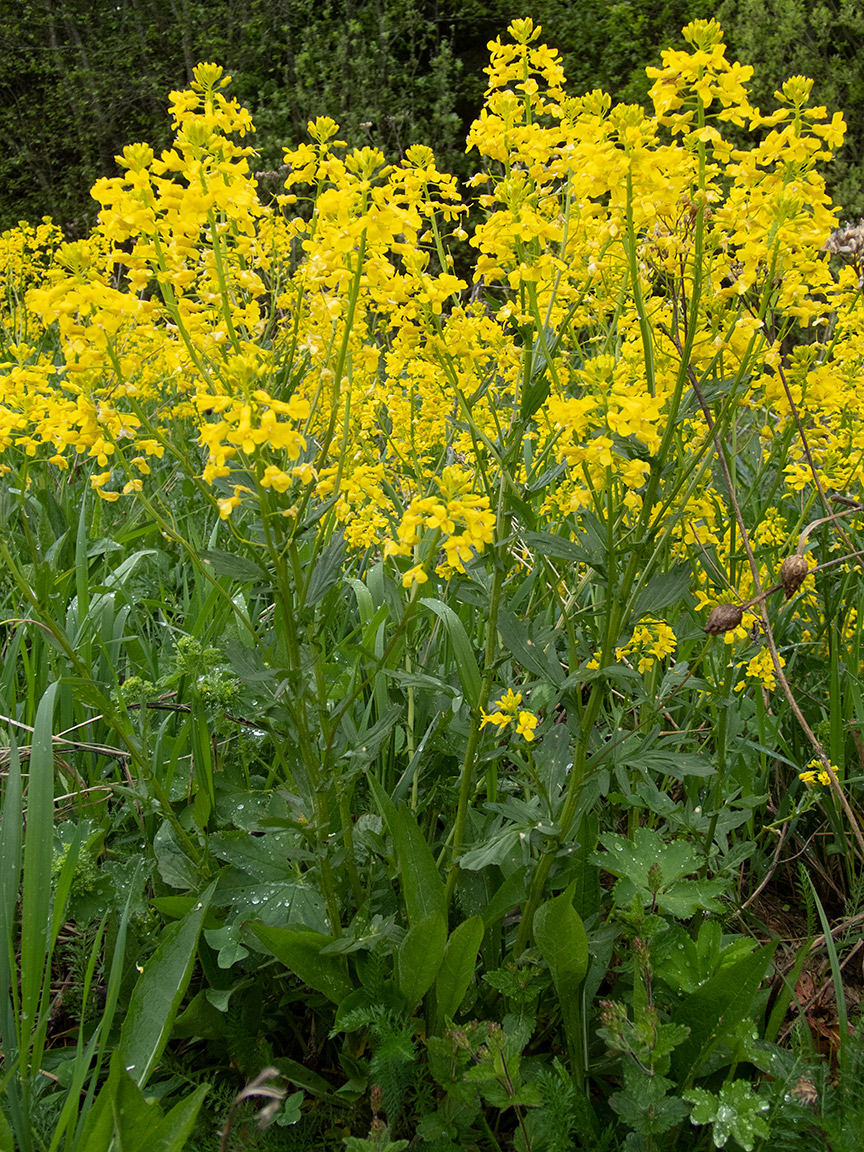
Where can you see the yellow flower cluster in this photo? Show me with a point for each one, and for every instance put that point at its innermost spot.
(461, 520)
(652, 641)
(323, 348)
(816, 774)
(507, 711)
(761, 669)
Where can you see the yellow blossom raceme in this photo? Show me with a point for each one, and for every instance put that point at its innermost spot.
(462, 521)
(507, 711)
(816, 774)
(652, 640)
(761, 669)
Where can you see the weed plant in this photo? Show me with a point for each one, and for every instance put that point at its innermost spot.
(418, 690)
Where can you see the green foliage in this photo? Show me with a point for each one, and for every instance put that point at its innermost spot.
(736, 1112)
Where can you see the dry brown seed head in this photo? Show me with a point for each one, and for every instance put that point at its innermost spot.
(723, 618)
(793, 573)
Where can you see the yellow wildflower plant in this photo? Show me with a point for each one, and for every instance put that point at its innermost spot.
(323, 350)
(652, 641)
(815, 774)
(507, 712)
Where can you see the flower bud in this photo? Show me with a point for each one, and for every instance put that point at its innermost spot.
(723, 618)
(793, 573)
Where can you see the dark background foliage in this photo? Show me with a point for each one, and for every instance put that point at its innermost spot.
(79, 79)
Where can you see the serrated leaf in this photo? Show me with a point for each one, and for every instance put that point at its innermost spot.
(631, 860)
(644, 1104)
(736, 1112)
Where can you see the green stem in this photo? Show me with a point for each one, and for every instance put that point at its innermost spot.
(466, 785)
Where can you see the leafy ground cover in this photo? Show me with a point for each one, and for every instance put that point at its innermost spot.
(431, 651)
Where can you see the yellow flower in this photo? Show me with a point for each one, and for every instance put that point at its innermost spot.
(652, 640)
(816, 774)
(415, 575)
(526, 723)
(761, 668)
(507, 712)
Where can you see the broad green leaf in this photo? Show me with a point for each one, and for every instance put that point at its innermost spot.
(717, 1008)
(466, 662)
(633, 860)
(300, 952)
(123, 1115)
(177, 1125)
(230, 564)
(511, 892)
(422, 886)
(174, 865)
(563, 942)
(457, 967)
(158, 994)
(663, 589)
(516, 638)
(419, 957)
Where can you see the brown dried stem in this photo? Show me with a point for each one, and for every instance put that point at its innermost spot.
(816, 744)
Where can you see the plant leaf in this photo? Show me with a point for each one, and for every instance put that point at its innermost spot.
(422, 886)
(563, 942)
(466, 662)
(419, 957)
(157, 995)
(300, 951)
(457, 967)
(717, 1008)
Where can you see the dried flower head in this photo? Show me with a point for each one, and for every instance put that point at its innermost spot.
(793, 573)
(723, 618)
